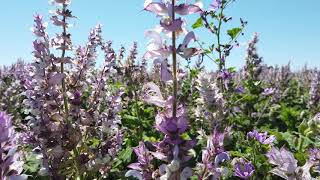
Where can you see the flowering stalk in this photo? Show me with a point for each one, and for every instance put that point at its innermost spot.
(174, 66)
(216, 13)
(65, 101)
(172, 122)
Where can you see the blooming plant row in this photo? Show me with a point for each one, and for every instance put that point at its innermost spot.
(63, 117)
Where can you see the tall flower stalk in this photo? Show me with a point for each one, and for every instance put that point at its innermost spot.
(64, 33)
(174, 66)
(213, 20)
(172, 122)
(72, 103)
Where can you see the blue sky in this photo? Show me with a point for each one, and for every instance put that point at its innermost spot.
(289, 29)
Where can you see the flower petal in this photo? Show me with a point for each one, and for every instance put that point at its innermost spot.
(184, 9)
(153, 94)
(170, 25)
(157, 8)
(134, 173)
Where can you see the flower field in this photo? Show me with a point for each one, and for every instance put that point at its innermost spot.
(162, 115)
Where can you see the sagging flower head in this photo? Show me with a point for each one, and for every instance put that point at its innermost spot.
(243, 169)
(261, 137)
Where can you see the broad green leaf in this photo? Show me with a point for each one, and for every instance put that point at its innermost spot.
(198, 23)
(234, 32)
(126, 154)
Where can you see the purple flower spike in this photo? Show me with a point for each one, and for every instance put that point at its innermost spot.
(243, 169)
(39, 27)
(261, 137)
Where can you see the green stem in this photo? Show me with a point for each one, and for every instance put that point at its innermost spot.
(254, 156)
(79, 175)
(218, 33)
(263, 110)
(301, 144)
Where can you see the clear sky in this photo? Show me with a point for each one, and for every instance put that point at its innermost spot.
(289, 29)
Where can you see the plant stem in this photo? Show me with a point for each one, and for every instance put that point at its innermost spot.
(174, 64)
(0, 161)
(254, 157)
(65, 100)
(218, 33)
(300, 147)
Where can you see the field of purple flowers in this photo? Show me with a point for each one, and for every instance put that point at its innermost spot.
(163, 116)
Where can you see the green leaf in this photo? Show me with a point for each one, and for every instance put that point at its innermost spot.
(198, 23)
(185, 136)
(94, 143)
(131, 118)
(234, 32)
(32, 164)
(232, 69)
(126, 154)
